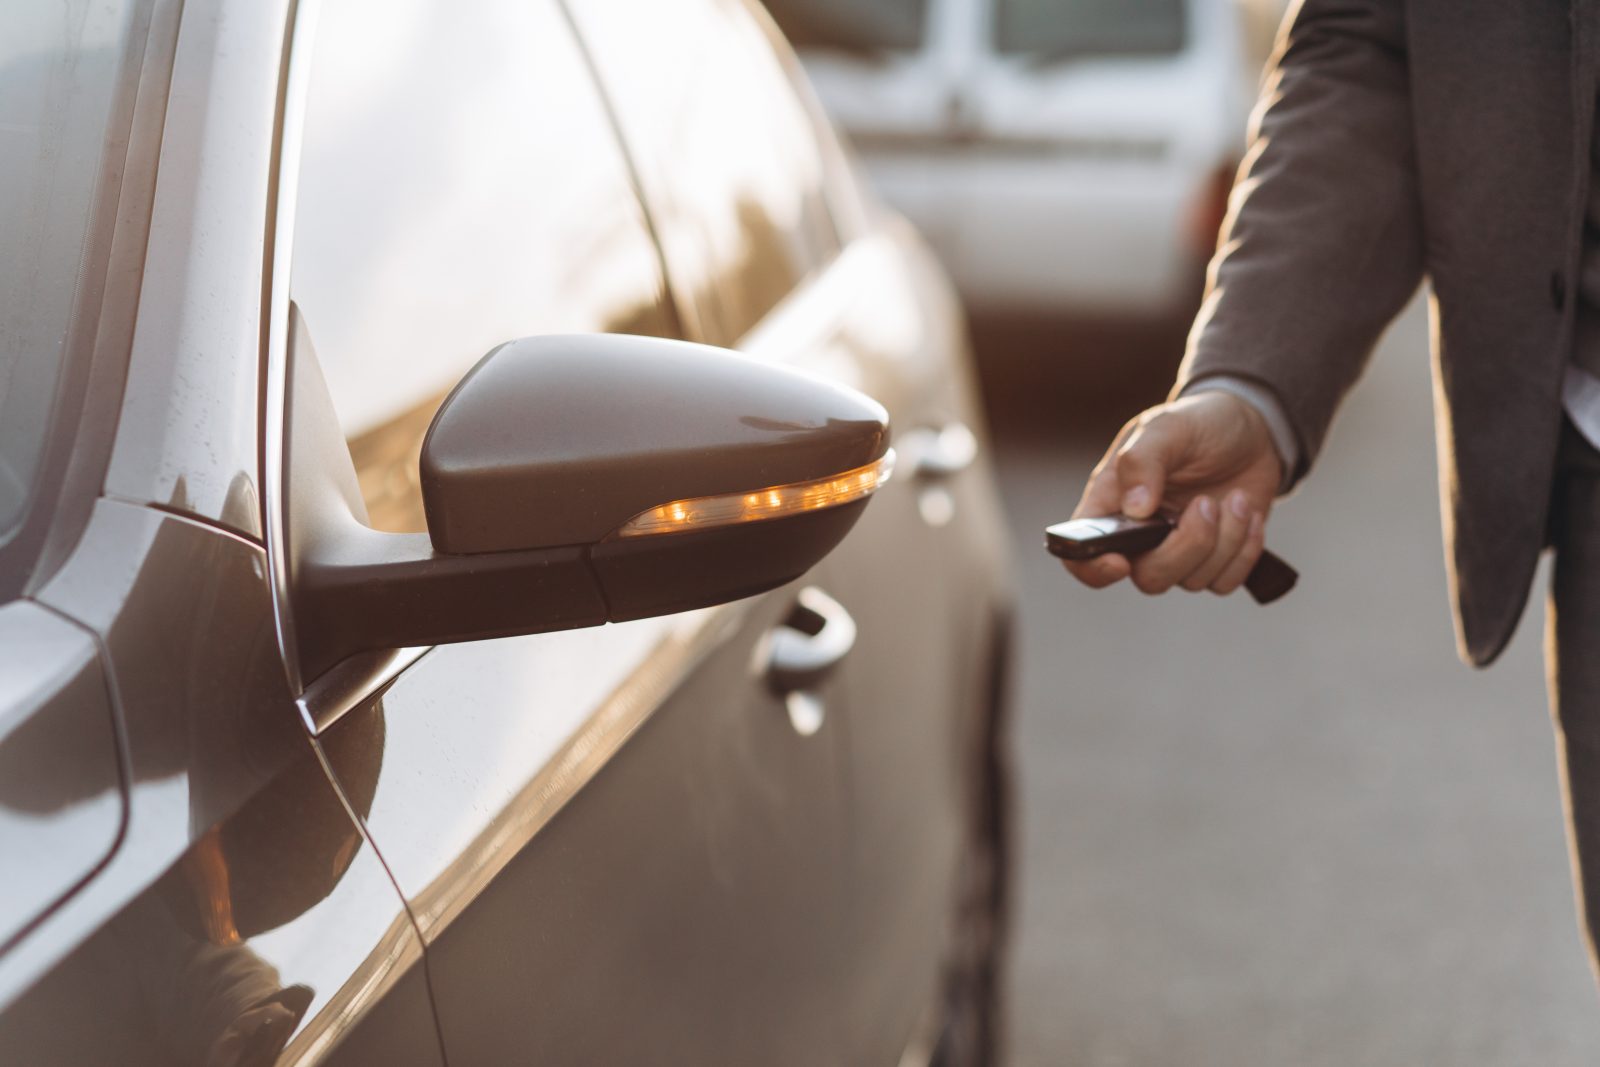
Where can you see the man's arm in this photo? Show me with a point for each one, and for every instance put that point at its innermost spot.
(1323, 245)
(1321, 249)
(1279, 429)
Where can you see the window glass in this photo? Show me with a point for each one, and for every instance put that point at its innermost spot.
(1065, 28)
(852, 25)
(61, 65)
(843, 189)
(460, 186)
(726, 151)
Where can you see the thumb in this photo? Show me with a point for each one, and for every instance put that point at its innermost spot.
(1144, 461)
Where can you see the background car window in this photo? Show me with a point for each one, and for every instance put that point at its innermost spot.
(460, 186)
(851, 25)
(1055, 28)
(727, 154)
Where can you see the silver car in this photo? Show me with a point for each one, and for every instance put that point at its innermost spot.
(1065, 157)
(422, 638)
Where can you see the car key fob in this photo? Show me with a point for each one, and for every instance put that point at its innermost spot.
(1270, 579)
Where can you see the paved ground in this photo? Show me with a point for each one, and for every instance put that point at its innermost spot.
(1303, 835)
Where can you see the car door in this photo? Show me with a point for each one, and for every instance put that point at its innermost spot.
(242, 919)
(60, 802)
(617, 843)
(769, 246)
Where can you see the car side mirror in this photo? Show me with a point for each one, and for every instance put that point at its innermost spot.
(573, 480)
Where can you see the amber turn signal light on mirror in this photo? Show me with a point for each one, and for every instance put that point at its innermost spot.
(772, 502)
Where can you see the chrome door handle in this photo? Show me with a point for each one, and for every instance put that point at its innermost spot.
(804, 650)
(938, 453)
(933, 456)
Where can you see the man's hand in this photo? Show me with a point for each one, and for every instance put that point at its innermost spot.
(1208, 454)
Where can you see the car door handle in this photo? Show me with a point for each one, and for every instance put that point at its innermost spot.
(938, 453)
(817, 634)
(804, 650)
(933, 456)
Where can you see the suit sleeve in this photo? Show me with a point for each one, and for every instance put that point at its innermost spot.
(1322, 246)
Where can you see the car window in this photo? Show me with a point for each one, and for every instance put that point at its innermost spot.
(726, 152)
(65, 74)
(1067, 28)
(460, 186)
(843, 188)
(853, 25)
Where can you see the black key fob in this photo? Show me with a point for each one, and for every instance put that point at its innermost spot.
(1270, 579)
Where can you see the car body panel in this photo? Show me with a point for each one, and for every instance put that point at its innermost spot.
(241, 879)
(187, 436)
(61, 799)
(620, 817)
(883, 317)
(879, 318)
(608, 845)
(622, 814)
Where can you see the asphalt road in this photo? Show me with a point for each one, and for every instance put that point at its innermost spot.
(1301, 835)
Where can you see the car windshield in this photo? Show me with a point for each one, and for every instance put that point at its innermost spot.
(61, 66)
(852, 25)
(1054, 29)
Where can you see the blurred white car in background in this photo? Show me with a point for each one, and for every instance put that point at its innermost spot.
(1064, 157)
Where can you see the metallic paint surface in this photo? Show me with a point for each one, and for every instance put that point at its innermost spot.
(612, 426)
(665, 651)
(493, 745)
(883, 319)
(187, 433)
(279, 329)
(630, 804)
(179, 609)
(243, 894)
(618, 848)
(61, 799)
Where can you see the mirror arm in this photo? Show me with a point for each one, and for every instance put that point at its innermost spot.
(361, 589)
(355, 589)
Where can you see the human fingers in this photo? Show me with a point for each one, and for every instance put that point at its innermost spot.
(1099, 572)
(1235, 573)
(1233, 527)
(1145, 458)
(1186, 547)
(1102, 493)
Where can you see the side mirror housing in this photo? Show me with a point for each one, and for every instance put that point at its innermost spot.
(574, 480)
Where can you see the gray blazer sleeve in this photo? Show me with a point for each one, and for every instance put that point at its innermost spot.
(1323, 246)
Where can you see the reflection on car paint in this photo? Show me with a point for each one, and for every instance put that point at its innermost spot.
(61, 801)
(259, 919)
(729, 162)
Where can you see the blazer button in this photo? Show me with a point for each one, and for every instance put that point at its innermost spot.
(1558, 290)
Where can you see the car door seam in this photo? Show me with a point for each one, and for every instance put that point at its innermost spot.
(124, 777)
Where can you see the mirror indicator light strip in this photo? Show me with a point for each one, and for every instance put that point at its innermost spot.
(773, 502)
